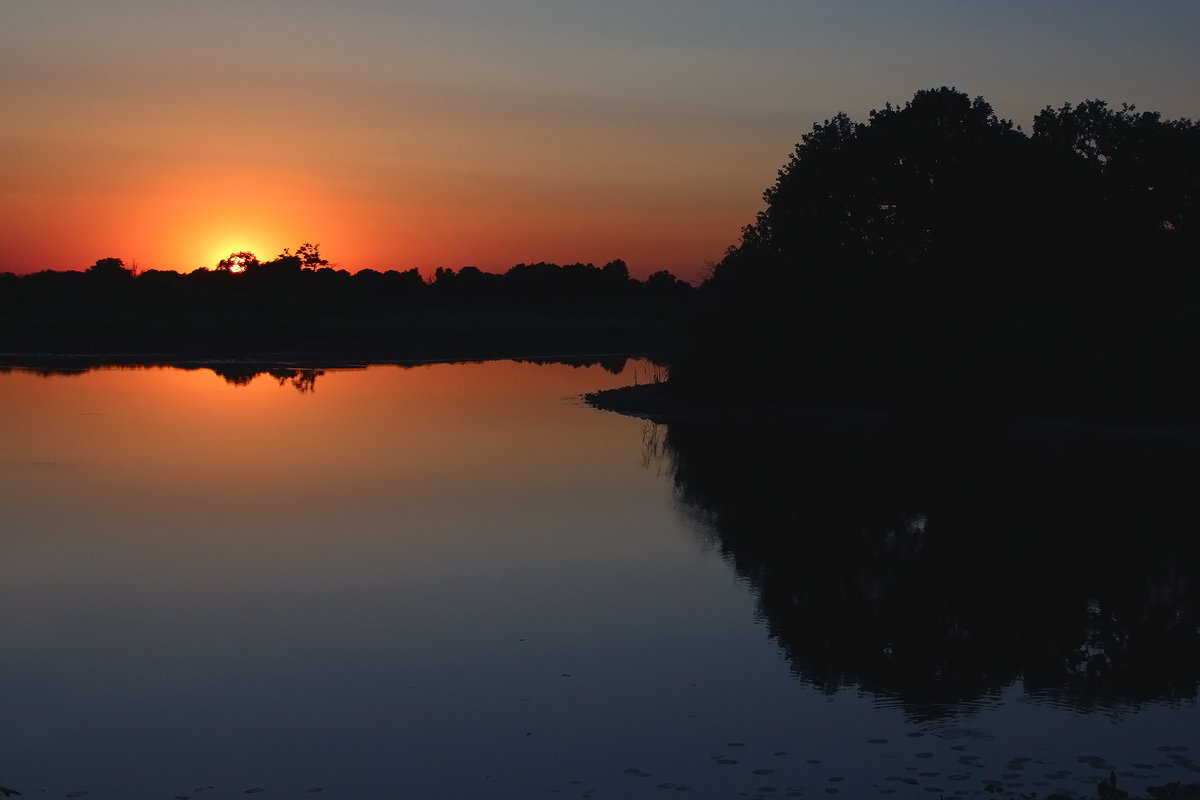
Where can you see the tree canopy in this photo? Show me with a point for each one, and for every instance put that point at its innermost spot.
(110, 268)
(938, 257)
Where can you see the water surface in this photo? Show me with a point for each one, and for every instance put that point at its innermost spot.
(459, 581)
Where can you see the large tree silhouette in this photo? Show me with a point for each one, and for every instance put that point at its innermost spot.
(937, 258)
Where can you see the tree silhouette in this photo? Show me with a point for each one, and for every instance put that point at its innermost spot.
(310, 256)
(296, 304)
(109, 269)
(307, 256)
(241, 261)
(937, 258)
(1144, 170)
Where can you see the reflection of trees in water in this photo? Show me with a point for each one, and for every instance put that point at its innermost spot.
(941, 572)
(47, 372)
(304, 380)
(614, 364)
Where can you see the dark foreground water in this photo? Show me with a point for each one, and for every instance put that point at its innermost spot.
(457, 581)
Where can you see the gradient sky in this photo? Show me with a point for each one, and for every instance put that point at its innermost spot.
(489, 132)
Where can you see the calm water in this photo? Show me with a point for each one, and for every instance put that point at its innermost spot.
(457, 581)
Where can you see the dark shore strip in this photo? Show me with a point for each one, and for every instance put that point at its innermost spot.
(656, 403)
(84, 361)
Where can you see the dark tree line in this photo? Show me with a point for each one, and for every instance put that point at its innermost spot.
(937, 258)
(300, 304)
(571, 285)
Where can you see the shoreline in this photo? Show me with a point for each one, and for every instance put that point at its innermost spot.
(653, 402)
(300, 360)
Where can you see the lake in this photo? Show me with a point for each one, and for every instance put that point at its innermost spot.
(459, 581)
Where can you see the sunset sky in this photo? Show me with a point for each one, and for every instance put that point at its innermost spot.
(405, 134)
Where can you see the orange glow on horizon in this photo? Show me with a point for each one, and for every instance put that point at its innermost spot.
(196, 216)
(196, 219)
(186, 218)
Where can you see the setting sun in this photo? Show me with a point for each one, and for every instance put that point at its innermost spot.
(198, 220)
(226, 246)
